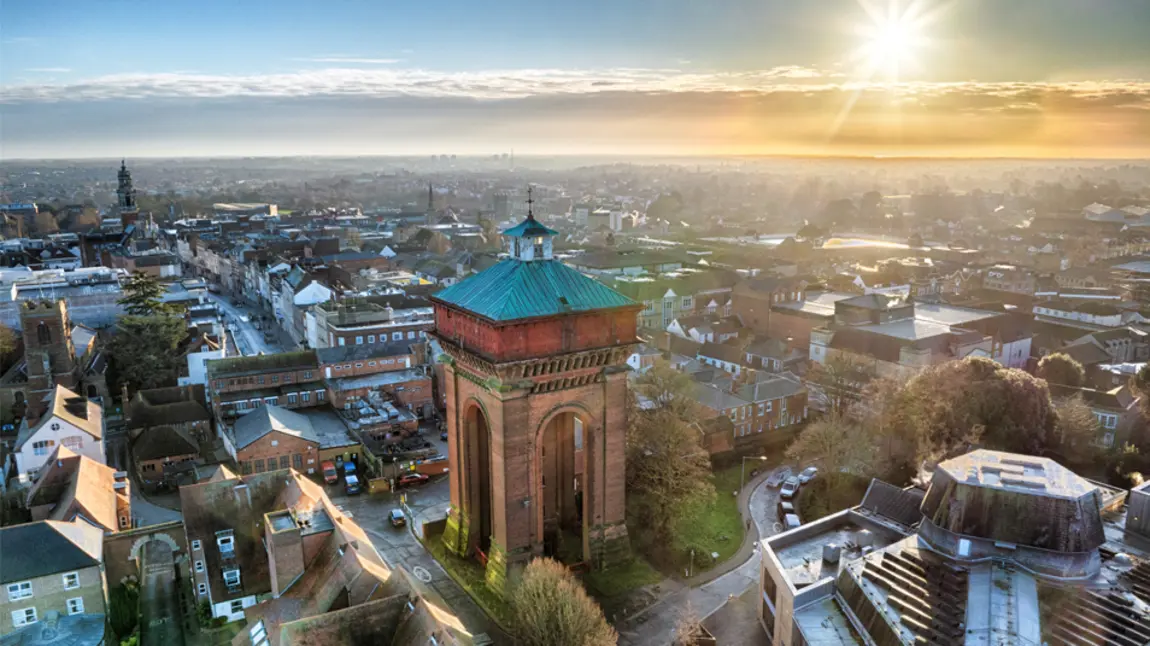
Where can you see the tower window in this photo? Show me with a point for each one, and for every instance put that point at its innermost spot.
(539, 247)
(43, 334)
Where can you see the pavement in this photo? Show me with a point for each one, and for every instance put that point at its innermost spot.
(708, 592)
(160, 617)
(401, 549)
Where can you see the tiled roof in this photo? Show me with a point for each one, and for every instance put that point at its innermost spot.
(529, 228)
(161, 442)
(515, 289)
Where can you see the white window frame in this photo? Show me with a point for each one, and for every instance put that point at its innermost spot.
(236, 572)
(75, 577)
(20, 590)
(397, 336)
(232, 608)
(359, 340)
(258, 634)
(410, 335)
(76, 606)
(341, 341)
(199, 566)
(371, 338)
(196, 545)
(230, 541)
(20, 617)
(202, 588)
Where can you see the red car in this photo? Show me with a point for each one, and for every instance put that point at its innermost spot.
(410, 479)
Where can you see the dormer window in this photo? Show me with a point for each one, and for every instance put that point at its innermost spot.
(226, 542)
(232, 578)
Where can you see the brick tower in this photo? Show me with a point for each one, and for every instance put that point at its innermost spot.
(48, 350)
(535, 379)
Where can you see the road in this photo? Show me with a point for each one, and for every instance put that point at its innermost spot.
(248, 339)
(654, 625)
(400, 548)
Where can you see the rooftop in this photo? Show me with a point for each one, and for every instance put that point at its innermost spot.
(515, 289)
(300, 359)
(800, 551)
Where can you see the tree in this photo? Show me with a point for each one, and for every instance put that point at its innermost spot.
(688, 628)
(839, 380)
(45, 224)
(354, 239)
(1076, 430)
(142, 293)
(949, 406)
(145, 350)
(1059, 368)
(667, 467)
(668, 388)
(550, 608)
(841, 446)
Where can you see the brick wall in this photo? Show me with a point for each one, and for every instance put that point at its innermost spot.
(382, 333)
(795, 326)
(539, 338)
(256, 457)
(222, 383)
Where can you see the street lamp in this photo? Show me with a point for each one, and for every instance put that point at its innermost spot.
(743, 476)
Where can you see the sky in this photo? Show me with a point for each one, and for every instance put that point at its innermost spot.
(966, 78)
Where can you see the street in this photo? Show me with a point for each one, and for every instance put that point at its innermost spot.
(160, 619)
(399, 547)
(247, 338)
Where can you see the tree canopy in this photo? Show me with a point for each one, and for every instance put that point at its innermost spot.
(1059, 368)
(142, 294)
(550, 608)
(145, 351)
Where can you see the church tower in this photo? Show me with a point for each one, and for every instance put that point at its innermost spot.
(126, 194)
(430, 216)
(536, 386)
(49, 355)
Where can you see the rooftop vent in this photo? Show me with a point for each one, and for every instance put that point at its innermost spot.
(831, 552)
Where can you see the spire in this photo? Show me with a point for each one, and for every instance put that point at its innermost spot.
(430, 197)
(530, 201)
(123, 165)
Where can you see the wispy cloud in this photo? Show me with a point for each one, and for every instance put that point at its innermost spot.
(49, 70)
(350, 60)
(18, 40)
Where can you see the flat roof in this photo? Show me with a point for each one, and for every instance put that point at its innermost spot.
(909, 329)
(823, 303)
(378, 379)
(824, 622)
(950, 314)
(328, 427)
(1023, 474)
(800, 551)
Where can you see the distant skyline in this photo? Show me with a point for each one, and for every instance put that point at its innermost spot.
(1030, 78)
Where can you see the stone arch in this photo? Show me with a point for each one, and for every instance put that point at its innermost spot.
(140, 542)
(474, 440)
(562, 477)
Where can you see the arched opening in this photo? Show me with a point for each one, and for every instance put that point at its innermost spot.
(477, 443)
(93, 392)
(43, 334)
(562, 481)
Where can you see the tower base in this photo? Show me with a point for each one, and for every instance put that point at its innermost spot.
(610, 545)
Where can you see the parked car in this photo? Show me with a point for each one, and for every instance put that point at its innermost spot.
(791, 521)
(349, 468)
(784, 508)
(808, 474)
(351, 484)
(410, 479)
(790, 488)
(330, 475)
(777, 478)
(396, 518)
(443, 436)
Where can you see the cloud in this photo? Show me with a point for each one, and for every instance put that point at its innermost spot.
(351, 60)
(783, 110)
(49, 70)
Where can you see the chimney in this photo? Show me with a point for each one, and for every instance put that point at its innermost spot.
(284, 540)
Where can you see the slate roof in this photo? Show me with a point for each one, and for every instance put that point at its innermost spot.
(161, 442)
(266, 419)
(516, 289)
(47, 547)
(775, 387)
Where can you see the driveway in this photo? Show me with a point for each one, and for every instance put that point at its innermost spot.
(160, 618)
(400, 548)
(654, 625)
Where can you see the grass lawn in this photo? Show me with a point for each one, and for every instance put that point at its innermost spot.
(469, 574)
(605, 584)
(818, 499)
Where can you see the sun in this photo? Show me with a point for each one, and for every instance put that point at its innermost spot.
(892, 41)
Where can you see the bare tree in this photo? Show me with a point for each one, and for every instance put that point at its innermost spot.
(840, 380)
(550, 608)
(688, 627)
(667, 388)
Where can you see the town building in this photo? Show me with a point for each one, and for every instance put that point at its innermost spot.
(536, 393)
(72, 486)
(368, 320)
(72, 421)
(1001, 548)
(239, 385)
(168, 427)
(54, 583)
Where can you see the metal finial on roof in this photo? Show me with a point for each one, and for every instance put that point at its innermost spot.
(530, 201)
